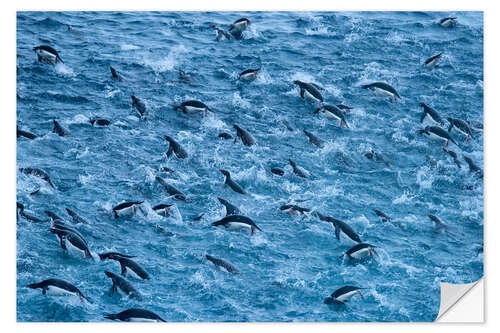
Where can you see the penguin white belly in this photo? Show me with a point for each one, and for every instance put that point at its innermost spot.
(429, 117)
(131, 272)
(330, 115)
(193, 109)
(142, 320)
(459, 130)
(308, 95)
(129, 211)
(46, 55)
(56, 291)
(163, 211)
(237, 226)
(382, 92)
(432, 63)
(360, 253)
(435, 137)
(248, 76)
(346, 296)
(73, 249)
(447, 23)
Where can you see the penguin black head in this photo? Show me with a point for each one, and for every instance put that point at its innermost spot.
(108, 274)
(422, 104)
(297, 82)
(317, 110)
(224, 172)
(111, 316)
(236, 126)
(92, 121)
(450, 120)
(134, 99)
(166, 137)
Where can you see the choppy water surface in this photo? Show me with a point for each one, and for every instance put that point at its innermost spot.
(287, 270)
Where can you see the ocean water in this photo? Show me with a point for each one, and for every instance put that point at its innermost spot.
(287, 270)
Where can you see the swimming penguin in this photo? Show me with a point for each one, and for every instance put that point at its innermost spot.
(123, 285)
(382, 89)
(297, 170)
(455, 158)
(162, 209)
(112, 255)
(192, 107)
(431, 114)
(115, 75)
(344, 108)
(185, 78)
(237, 28)
(59, 130)
(332, 112)
(310, 91)
(21, 133)
(342, 295)
(314, 139)
(139, 105)
(175, 193)
(222, 264)
(473, 168)
(71, 241)
(461, 126)
(437, 133)
(340, 226)
(127, 208)
(244, 136)
(437, 222)
(448, 22)
(476, 126)
(225, 136)
(432, 61)
(360, 251)
(99, 122)
(53, 216)
(221, 33)
(287, 125)
(237, 222)
(38, 173)
(230, 208)
(249, 74)
(57, 287)
(278, 171)
(294, 209)
(28, 217)
(136, 315)
(76, 218)
(127, 265)
(383, 217)
(47, 54)
(175, 148)
(231, 183)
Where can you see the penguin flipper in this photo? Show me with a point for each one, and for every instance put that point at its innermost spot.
(170, 151)
(301, 92)
(63, 243)
(124, 269)
(337, 232)
(44, 290)
(112, 290)
(450, 127)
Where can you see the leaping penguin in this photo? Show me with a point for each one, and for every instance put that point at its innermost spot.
(343, 294)
(47, 54)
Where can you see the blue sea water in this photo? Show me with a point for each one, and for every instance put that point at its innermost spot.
(287, 270)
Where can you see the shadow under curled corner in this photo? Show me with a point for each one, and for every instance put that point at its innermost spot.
(455, 295)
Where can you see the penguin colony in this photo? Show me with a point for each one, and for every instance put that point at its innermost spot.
(70, 239)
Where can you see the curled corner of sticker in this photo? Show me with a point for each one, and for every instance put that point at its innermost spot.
(451, 295)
